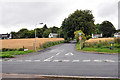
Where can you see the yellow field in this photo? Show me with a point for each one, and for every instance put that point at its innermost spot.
(27, 43)
(97, 39)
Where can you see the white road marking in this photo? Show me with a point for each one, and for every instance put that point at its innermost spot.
(65, 60)
(37, 60)
(97, 60)
(57, 53)
(109, 61)
(86, 60)
(75, 60)
(56, 60)
(28, 60)
(47, 60)
(69, 54)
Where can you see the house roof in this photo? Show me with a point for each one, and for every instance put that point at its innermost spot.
(53, 33)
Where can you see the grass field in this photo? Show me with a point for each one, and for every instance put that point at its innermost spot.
(26, 43)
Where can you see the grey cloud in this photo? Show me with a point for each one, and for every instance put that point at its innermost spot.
(30, 12)
(107, 9)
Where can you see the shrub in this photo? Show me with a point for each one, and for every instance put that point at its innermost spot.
(6, 56)
(49, 44)
(117, 40)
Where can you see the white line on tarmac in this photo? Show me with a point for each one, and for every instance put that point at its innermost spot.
(65, 60)
(57, 53)
(56, 60)
(109, 61)
(28, 60)
(75, 60)
(97, 60)
(47, 60)
(86, 60)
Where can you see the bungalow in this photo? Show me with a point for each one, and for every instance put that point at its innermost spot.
(117, 34)
(96, 35)
(53, 35)
(5, 36)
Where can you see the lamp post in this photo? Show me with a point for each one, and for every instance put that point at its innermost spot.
(35, 36)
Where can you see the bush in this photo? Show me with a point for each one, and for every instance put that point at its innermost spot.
(117, 40)
(6, 56)
(49, 44)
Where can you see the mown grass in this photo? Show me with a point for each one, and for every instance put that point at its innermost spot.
(11, 54)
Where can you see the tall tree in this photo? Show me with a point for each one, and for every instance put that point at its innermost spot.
(79, 20)
(54, 29)
(46, 33)
(39, 32)
(44, 27)
(107, 29)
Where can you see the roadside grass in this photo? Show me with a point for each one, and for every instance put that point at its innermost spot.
(101, 46)
(11, 54)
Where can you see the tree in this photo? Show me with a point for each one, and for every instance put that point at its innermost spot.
(44, 27)
(39, 32)
(79, 20)
(97, 30)
(23, 33)
(107, 29)
(54, 29)
(14, 36)
(77, 35)
(46, 33)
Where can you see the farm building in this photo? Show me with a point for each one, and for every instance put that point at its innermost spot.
(96, 35)
(5, 36)
(117, 34)
(53, 35)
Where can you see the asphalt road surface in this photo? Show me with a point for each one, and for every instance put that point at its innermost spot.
(64, 60)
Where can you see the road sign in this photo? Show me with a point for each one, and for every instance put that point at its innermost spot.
(80, 34)
(80, 38)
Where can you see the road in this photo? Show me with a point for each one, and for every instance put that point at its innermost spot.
(64, 60)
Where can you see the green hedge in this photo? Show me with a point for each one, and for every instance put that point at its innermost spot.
(49, 44)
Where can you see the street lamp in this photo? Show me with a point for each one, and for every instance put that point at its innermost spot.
(35, 36)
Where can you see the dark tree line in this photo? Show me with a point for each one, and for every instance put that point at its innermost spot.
(40, 32)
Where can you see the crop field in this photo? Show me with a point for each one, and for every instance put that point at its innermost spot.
(26, 43)
(99, 39)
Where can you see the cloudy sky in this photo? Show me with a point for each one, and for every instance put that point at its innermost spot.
(17, 14)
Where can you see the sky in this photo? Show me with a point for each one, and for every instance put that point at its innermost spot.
(18, 14)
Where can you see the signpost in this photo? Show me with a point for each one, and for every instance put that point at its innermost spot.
(80, 38)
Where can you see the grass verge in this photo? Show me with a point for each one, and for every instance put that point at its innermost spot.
(101, 49)
(11, 54)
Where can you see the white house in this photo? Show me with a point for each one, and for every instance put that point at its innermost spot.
(53, 35)
(5, 36)
(96, 35)
(117, 34)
